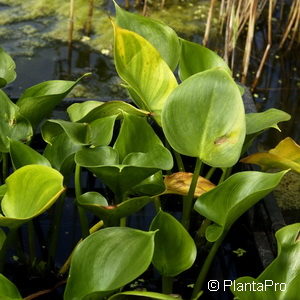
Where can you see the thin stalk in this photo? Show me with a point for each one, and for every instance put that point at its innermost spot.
(123, 222)
(31, 240)
(9, 241)
(167, 285)
(145, 8)
(70, 33)
(88, 24)
(55, 229)
(210, 173)
(179, 161)
(206, 266)
(208, 22)
(157, 203)
(82, 216)
(188, 200)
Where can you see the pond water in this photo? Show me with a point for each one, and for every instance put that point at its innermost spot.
(35, 33)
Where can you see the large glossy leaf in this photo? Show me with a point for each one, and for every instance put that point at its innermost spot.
(22, 155)
(179, 183)
(107, 260)
(229, 200)
(38, 101)
(204, 117)
(138, 294)
(175, 250)
(61, 153)
(256, 122)
(7, 69)
(97, 133)
(281, 279)
(195, 58)
(31, 190)
(89, 111)
(161, 36)
(8, 291)
(12, 124)
(96, 203)
(286, 155)
(140, 65)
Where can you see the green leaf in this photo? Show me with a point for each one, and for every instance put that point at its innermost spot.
(140, 65)
(8, 291)
(12, 124)
(89, 111)
(161, 36)
(96, 203)
(7, 69)
(204, 117)
(175, 250)
(3, 190)
(195, 58)
(228, 201)
(38, 101)
(107, 260)
(281, 279)
(256, 122)
(22, 155)
(31, 190)
(138, 294)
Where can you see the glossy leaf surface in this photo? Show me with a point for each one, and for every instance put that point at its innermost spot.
(256, 122)
(22, 155)
(96, 203)
(12, 124)
(286, 155)
(161, 36)
(7, 69)
(8, 291)
(38, 101)
(31, 190)
(204, 117)
(282, 276)
(107, 260)
(195, 58)
(138, 294)
(140, 65)
(179, 183)
(229, 200)
(89, 111)
(175, 250)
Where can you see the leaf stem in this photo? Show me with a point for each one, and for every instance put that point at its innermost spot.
(167, 285)
(179, 161)
(210, 173)
(82, 216)
(188, 200)
(157, 203)
(206, 266)
(10, 238)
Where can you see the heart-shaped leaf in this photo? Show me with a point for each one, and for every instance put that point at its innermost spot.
(38, 101)
(179, 183)
(12, 124)
(204, 117)
(89, 111)
(175, 250)
(8, 291)
(228, 201)
(96, 203)
(107, 260)
(281, 279)
(7, 69)
(31, 190)
(137, 294)
(161, 36)
(256, 122)
(195, 58)
(22, 155)
(140, 65)
(286, 155)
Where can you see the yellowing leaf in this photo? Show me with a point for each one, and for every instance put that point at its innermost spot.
(179, 183)
(286, 155)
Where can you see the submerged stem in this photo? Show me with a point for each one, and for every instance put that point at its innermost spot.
(167, 285)
(188, 200)
(82, 217)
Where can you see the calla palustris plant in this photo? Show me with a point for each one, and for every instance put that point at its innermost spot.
(30, 191)
(286, 155)
(281, 279)
(7, 69)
